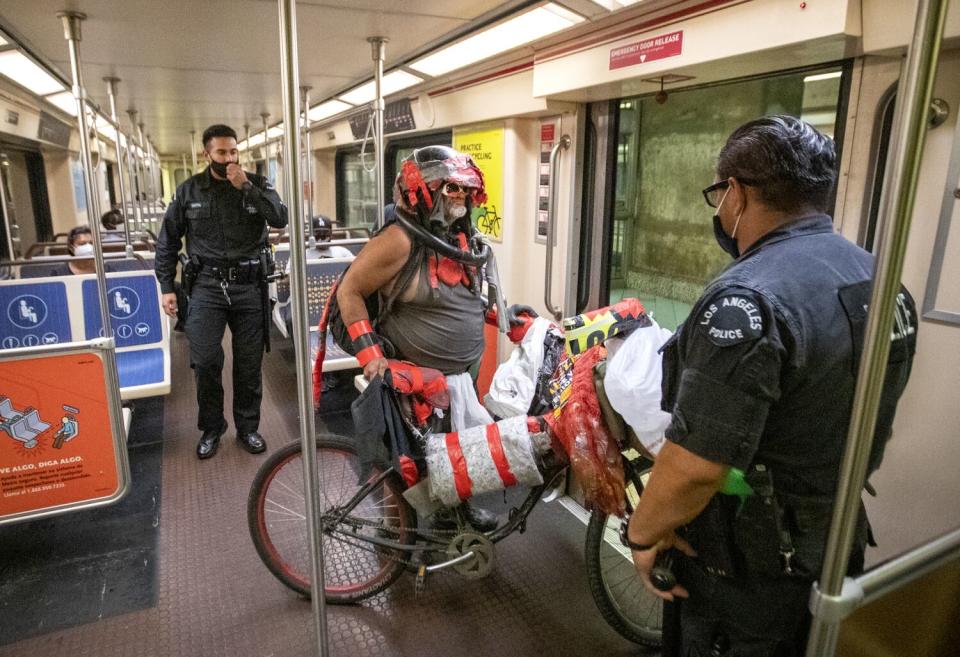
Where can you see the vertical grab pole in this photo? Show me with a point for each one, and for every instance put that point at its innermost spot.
(564, 143)
(246, 140)
(71, 32)
(266, 151)
(308, 187)
(290, 72)
(112, 93)
(900, 186)
(137, 168)
(193, 150)
(377, 44)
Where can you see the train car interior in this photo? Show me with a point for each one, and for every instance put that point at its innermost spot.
(595, 124)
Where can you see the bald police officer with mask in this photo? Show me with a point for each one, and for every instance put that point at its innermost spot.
(223, 213)
(760, 378)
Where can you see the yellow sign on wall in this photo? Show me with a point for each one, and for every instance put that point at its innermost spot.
(486, 149)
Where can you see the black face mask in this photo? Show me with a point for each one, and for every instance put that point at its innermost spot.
(727, 243)
(220, 168)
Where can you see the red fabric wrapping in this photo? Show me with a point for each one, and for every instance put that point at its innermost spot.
(499, 458)
(414, 181)
(459, 464)
(594, 454)
(408, 470)
(322, 345)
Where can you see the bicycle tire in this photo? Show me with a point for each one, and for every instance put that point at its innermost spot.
(278, 526)
(638, 615)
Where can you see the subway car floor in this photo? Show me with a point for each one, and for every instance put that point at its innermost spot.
(172, 571)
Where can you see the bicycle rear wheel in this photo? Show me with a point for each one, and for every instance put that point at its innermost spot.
(635, 613)
(354, 568)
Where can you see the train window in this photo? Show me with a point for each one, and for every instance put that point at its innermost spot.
(356, 189)
(662, 245)
(356, 180)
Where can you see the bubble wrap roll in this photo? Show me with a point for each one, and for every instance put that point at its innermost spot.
(482, 459)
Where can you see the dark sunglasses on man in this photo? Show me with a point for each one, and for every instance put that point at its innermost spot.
(454, 188)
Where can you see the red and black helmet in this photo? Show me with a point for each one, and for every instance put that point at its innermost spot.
(422, 175)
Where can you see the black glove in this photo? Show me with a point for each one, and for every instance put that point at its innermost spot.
(517, 309)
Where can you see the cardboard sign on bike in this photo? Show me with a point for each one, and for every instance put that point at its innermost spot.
(56, 442)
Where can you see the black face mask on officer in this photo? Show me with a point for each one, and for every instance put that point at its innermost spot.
(727, 242)
(220, 168)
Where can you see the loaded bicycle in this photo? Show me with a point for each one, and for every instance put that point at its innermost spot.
(372, 534)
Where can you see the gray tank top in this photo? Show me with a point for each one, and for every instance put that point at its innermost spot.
(445, 333)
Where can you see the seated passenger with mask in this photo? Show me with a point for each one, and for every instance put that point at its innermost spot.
(80, 243)
(320, 246)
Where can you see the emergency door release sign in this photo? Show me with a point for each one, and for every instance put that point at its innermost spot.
(648, 50)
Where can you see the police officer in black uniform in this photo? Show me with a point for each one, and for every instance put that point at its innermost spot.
(761, 378)
(223, 212)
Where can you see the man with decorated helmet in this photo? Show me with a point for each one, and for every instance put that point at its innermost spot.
(425, 268)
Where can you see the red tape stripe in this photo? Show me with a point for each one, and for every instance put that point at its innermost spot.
(459, 464)
(368, 354)
(359, 328)
(499, 458)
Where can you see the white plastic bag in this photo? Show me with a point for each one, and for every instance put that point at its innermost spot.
(632, 384)
(465, 408)
(515, 381)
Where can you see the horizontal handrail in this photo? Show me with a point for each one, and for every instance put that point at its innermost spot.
(103, 344)
(910, 566)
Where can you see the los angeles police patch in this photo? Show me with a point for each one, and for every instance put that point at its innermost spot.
(731, 319)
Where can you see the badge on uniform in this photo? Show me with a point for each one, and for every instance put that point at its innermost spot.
(731, 319)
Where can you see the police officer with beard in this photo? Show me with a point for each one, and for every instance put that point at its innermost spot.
(760, 378)
(224, 213)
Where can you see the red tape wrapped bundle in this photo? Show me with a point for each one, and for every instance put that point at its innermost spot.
(426, 386)
(594, 454)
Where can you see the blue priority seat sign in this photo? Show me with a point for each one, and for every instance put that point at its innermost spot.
(33, 314)
(134, 322)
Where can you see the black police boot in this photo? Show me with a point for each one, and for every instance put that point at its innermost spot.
(209, 442)
(480, 519)
(252, 441)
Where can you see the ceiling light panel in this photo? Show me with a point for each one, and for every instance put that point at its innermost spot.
(64, 101)
(392, 83)
(329, 108)
(25, 72)
(525, 28)
(274, 132)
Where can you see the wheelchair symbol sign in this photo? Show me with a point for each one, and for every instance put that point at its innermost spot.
(27, 311)
(123, 301)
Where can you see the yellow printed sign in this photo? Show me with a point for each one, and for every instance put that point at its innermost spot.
(486, 149)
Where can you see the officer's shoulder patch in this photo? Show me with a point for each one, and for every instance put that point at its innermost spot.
(730, 319)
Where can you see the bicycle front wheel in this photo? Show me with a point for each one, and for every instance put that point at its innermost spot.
(635, 613)
(354, 567)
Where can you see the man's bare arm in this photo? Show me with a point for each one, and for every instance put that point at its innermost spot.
(375, 267)
(680, 486)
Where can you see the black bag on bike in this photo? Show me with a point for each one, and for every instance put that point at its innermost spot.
(382, 436)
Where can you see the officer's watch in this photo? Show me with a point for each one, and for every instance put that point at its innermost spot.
(638, 547)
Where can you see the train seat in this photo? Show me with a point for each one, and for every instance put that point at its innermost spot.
(54, 310)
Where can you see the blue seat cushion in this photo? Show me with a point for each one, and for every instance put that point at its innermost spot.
(139, 368)
(333, 351)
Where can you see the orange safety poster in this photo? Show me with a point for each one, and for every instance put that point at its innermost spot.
(56, 445)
